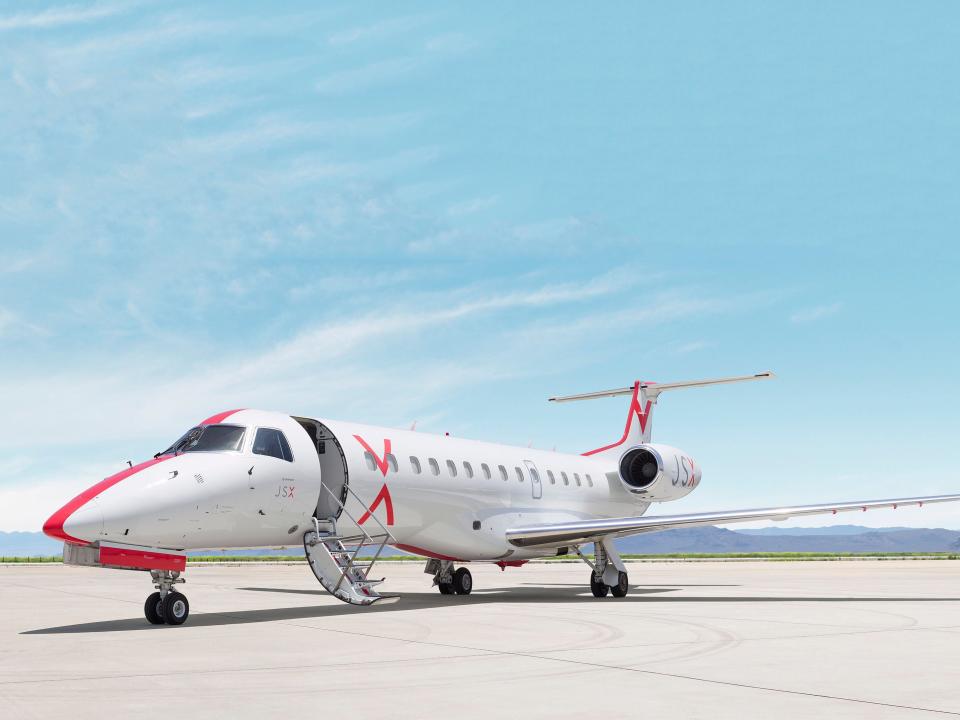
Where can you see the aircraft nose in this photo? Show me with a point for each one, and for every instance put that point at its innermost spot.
(76, 522)
(81, 519)
(86, 522)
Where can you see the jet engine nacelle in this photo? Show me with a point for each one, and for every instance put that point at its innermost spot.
(658, 472)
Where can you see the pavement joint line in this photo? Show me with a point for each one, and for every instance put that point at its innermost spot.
(217, 671)
(73, 592)
(625, 668)
(741, 639)
(735, 619)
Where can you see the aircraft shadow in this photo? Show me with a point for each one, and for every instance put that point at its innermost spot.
(419, 601)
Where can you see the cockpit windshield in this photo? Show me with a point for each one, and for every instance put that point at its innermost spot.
(208, 438)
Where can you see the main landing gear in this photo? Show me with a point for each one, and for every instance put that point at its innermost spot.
(600, 588)
(448, 581)
(609, 575)
(167, 605)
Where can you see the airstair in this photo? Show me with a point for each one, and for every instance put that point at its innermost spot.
(333, 557)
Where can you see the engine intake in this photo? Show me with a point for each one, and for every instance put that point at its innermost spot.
(639, 468)
(658, 472)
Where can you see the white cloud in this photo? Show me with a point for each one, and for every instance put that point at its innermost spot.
(63, 15)
(435, 242)
(474, 205)
(12, 324)
(166, 31)
(271, 130)
(367, 75)
(21, 263)
(451, 43)
(376, 31)
(657, 310)
(691, 347)
(438, 49)
(818, 312)
(547, 229)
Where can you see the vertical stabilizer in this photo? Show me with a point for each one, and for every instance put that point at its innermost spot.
(638, 426)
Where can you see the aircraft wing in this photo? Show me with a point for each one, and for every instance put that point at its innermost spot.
(583, 531)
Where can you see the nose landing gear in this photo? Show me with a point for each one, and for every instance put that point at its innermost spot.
(166, 606)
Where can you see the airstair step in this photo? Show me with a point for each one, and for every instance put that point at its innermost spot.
(332, 565)
(331, 555)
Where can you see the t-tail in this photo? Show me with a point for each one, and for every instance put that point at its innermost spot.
(643, 399)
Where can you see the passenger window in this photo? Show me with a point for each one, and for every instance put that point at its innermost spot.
(519, 474)
(392, 462)
(553, 480)
(468, 469)
(576, 476)
(452, 468)
(589, 480)
(486, 470)
(415, 464)
(566, 480)
(272, 442)
(434, 466)
(370, 462)
(503, 472)
(534, 475)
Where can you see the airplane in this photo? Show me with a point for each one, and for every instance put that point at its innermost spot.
(253, 479)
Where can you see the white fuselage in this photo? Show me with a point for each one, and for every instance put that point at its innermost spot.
(441, 496)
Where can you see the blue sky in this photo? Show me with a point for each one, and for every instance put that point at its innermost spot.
(449, 212)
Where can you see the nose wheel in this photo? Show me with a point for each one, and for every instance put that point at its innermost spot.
(153, 609)
(167, 606)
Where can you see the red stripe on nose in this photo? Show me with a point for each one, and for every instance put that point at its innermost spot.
(54, 524)
(219, 417)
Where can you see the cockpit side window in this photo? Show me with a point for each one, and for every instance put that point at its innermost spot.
(273, 443)
(208, 438)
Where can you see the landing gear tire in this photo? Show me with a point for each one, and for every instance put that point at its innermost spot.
(597, 587)
(622, 587)
(446, 588)
(462, 581)
(175, 608)
(153, 609)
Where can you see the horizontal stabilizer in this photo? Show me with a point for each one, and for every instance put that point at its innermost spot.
(652, 389)
(644, 396)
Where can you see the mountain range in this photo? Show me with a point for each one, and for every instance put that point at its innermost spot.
(838, 538)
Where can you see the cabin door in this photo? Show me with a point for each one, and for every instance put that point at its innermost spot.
(535, 485)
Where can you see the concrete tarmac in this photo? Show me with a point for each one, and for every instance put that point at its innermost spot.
(693, 640)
